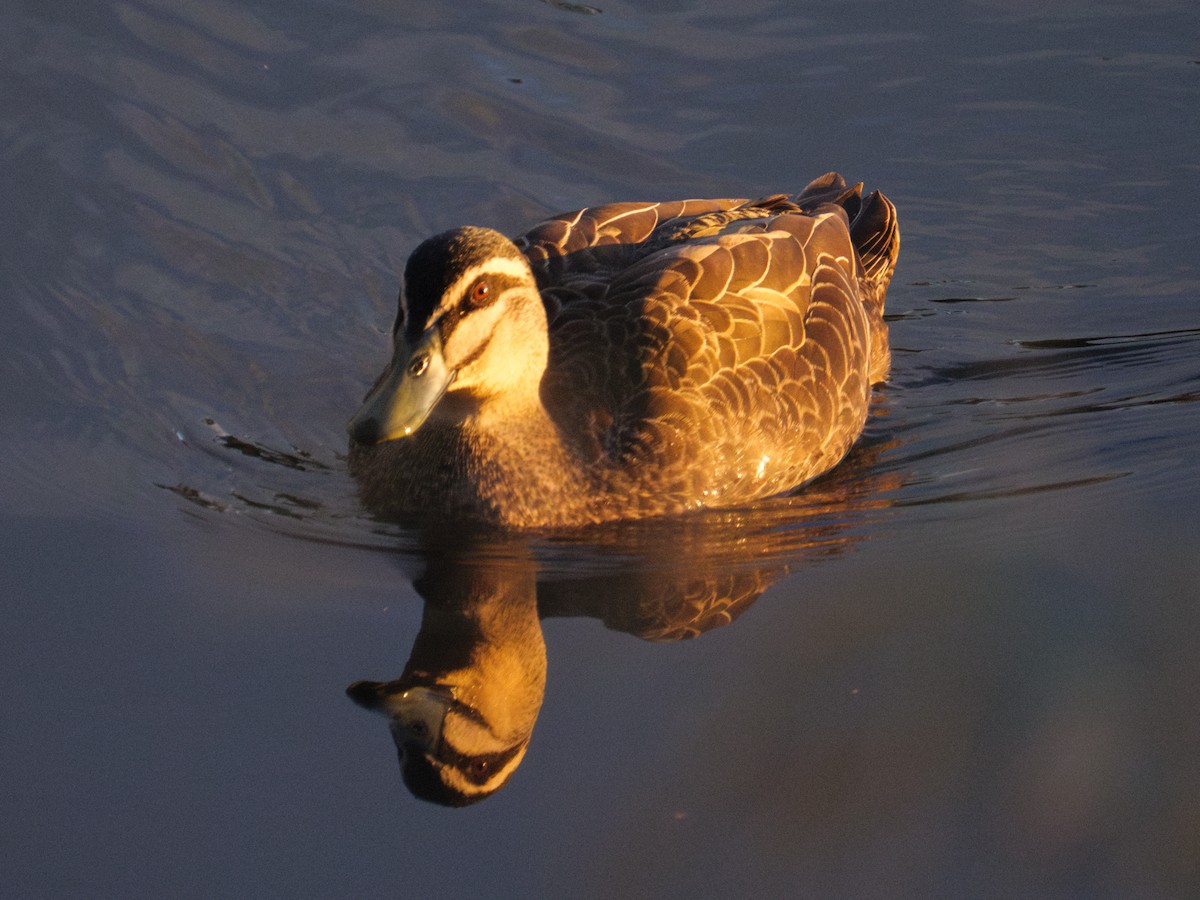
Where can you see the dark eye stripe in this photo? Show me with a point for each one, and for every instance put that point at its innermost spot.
(451, 317)
(498, 283)
(413, 317)
(495, 762)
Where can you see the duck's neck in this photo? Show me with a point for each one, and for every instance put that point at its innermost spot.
(524, 471)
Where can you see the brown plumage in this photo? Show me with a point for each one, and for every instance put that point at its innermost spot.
(631, 360)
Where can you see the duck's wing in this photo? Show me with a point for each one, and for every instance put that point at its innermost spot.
(732, 360)
(598, 240)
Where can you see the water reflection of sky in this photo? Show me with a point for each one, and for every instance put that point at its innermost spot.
(977, 680)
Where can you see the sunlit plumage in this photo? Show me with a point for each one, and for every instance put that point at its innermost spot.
(630, 360)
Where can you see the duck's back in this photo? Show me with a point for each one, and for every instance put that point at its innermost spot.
(717, 351)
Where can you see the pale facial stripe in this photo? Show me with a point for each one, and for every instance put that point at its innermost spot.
(466, 334)
(457, 779)
(514, 268)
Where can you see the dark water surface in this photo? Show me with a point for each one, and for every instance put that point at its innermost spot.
(977, 672)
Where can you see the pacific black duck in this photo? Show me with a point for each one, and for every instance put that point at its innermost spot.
(630, 360)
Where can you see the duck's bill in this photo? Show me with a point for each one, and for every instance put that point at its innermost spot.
(417, 714)
(408, 391)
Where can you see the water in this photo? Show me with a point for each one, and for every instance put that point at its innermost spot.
(972, 672)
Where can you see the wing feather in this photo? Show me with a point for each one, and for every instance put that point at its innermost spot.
(734, 352)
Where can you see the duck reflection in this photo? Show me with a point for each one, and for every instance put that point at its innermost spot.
(463, 710)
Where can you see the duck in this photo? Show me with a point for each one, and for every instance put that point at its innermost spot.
(629, 360)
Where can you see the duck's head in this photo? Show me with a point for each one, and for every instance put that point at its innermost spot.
(449, 752)
(471, 323)
(463, 711)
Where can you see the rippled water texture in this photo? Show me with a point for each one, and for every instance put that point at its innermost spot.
(964, 664)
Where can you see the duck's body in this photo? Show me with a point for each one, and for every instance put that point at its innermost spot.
(631, 360)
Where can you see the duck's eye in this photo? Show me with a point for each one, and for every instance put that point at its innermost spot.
(417, 367)
(479, 767)
(480, 292)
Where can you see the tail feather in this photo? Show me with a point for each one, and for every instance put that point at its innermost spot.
(875, 234)
(829, 188)
(873, 228)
